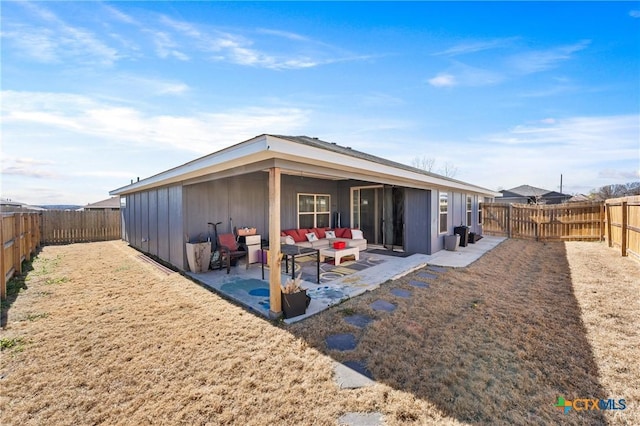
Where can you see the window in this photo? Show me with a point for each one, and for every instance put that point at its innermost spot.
(486, 200)
(444, 210)
(313, 211)
(469, 210)
(123, 202)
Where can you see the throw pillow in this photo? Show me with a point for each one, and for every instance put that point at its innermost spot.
(356, 234)
(330, 234)
(311, 237)
(289, 240)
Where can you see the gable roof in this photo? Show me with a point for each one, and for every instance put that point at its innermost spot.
(109, 203)
(525, 191)
(300, 155)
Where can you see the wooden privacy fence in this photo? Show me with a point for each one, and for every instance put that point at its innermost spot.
(623, 224)
(67, 227)
(20, 237)
(559, 222)
(23, 233)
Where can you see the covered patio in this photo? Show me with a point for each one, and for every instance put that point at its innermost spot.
(267, 182)
(246, 286)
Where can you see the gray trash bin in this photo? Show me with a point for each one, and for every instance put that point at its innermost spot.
(451, 242)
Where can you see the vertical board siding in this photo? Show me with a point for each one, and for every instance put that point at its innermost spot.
(20, 237)
(66, 227)
(565, 222)
(623, 225)
(417, 236)
(176, 240)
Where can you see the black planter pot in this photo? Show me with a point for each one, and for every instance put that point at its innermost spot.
(295, 304)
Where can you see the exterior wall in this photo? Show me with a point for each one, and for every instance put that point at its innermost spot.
(152, 223)
(243, 200)
(291, 186)
(157, 221)
(417, 221)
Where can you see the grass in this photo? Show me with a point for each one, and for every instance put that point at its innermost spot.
(496, 342)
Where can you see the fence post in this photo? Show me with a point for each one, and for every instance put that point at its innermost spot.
(17, 263)
(624, 228)
(609, 239)
(602, 219)
(509, 212)
(3, 277)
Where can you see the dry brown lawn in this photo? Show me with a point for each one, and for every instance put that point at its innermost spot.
(95, 336)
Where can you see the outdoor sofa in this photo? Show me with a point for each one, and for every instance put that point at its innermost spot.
(318, 238)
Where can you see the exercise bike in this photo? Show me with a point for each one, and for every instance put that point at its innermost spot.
(216, 258)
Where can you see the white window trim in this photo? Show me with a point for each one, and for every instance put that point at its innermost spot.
(440, 231)
(314, 212)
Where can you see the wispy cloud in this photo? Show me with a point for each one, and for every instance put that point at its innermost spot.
(57, 41)
(474, 46)
(542, 60)
(27, 167)
(634, 13)
(203, 132)
(443, 80)
(460, 74)
(615, 135)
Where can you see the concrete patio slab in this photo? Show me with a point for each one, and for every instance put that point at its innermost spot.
(246, 286)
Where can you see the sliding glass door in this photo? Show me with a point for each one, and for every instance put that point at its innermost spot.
(379, 212)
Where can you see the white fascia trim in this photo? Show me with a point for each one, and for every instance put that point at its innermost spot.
(240, 154)
(361, 168)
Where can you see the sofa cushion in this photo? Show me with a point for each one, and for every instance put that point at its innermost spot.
(356, 234)
(343, 232)
(298, 235)
(320, 232)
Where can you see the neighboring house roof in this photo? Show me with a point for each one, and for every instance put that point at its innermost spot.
(109, 203)
(7, 205)
(528, 191)
(300, 155)
(579, 198)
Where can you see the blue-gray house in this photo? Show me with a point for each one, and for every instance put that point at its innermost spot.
(266, 182)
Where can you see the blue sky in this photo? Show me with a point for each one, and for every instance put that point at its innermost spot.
(95, 94)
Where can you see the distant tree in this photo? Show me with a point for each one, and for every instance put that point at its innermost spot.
(423, 163)
(615, 191)
(449, 170)
(427, 164)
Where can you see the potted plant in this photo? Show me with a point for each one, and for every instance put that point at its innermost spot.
(294, 298)
(198, 255)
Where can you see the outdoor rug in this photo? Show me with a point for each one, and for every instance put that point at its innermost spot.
(330, 272)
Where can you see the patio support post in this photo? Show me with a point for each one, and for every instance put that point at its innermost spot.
(275, 275)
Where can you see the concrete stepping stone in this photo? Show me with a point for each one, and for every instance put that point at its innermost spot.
(427, 275)
(400, 292)
(360, 367)
(419, 284)
(360, 321)
(438, 268)
(361, 419)
(383, 305)
(347, 377)
(341, 342)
